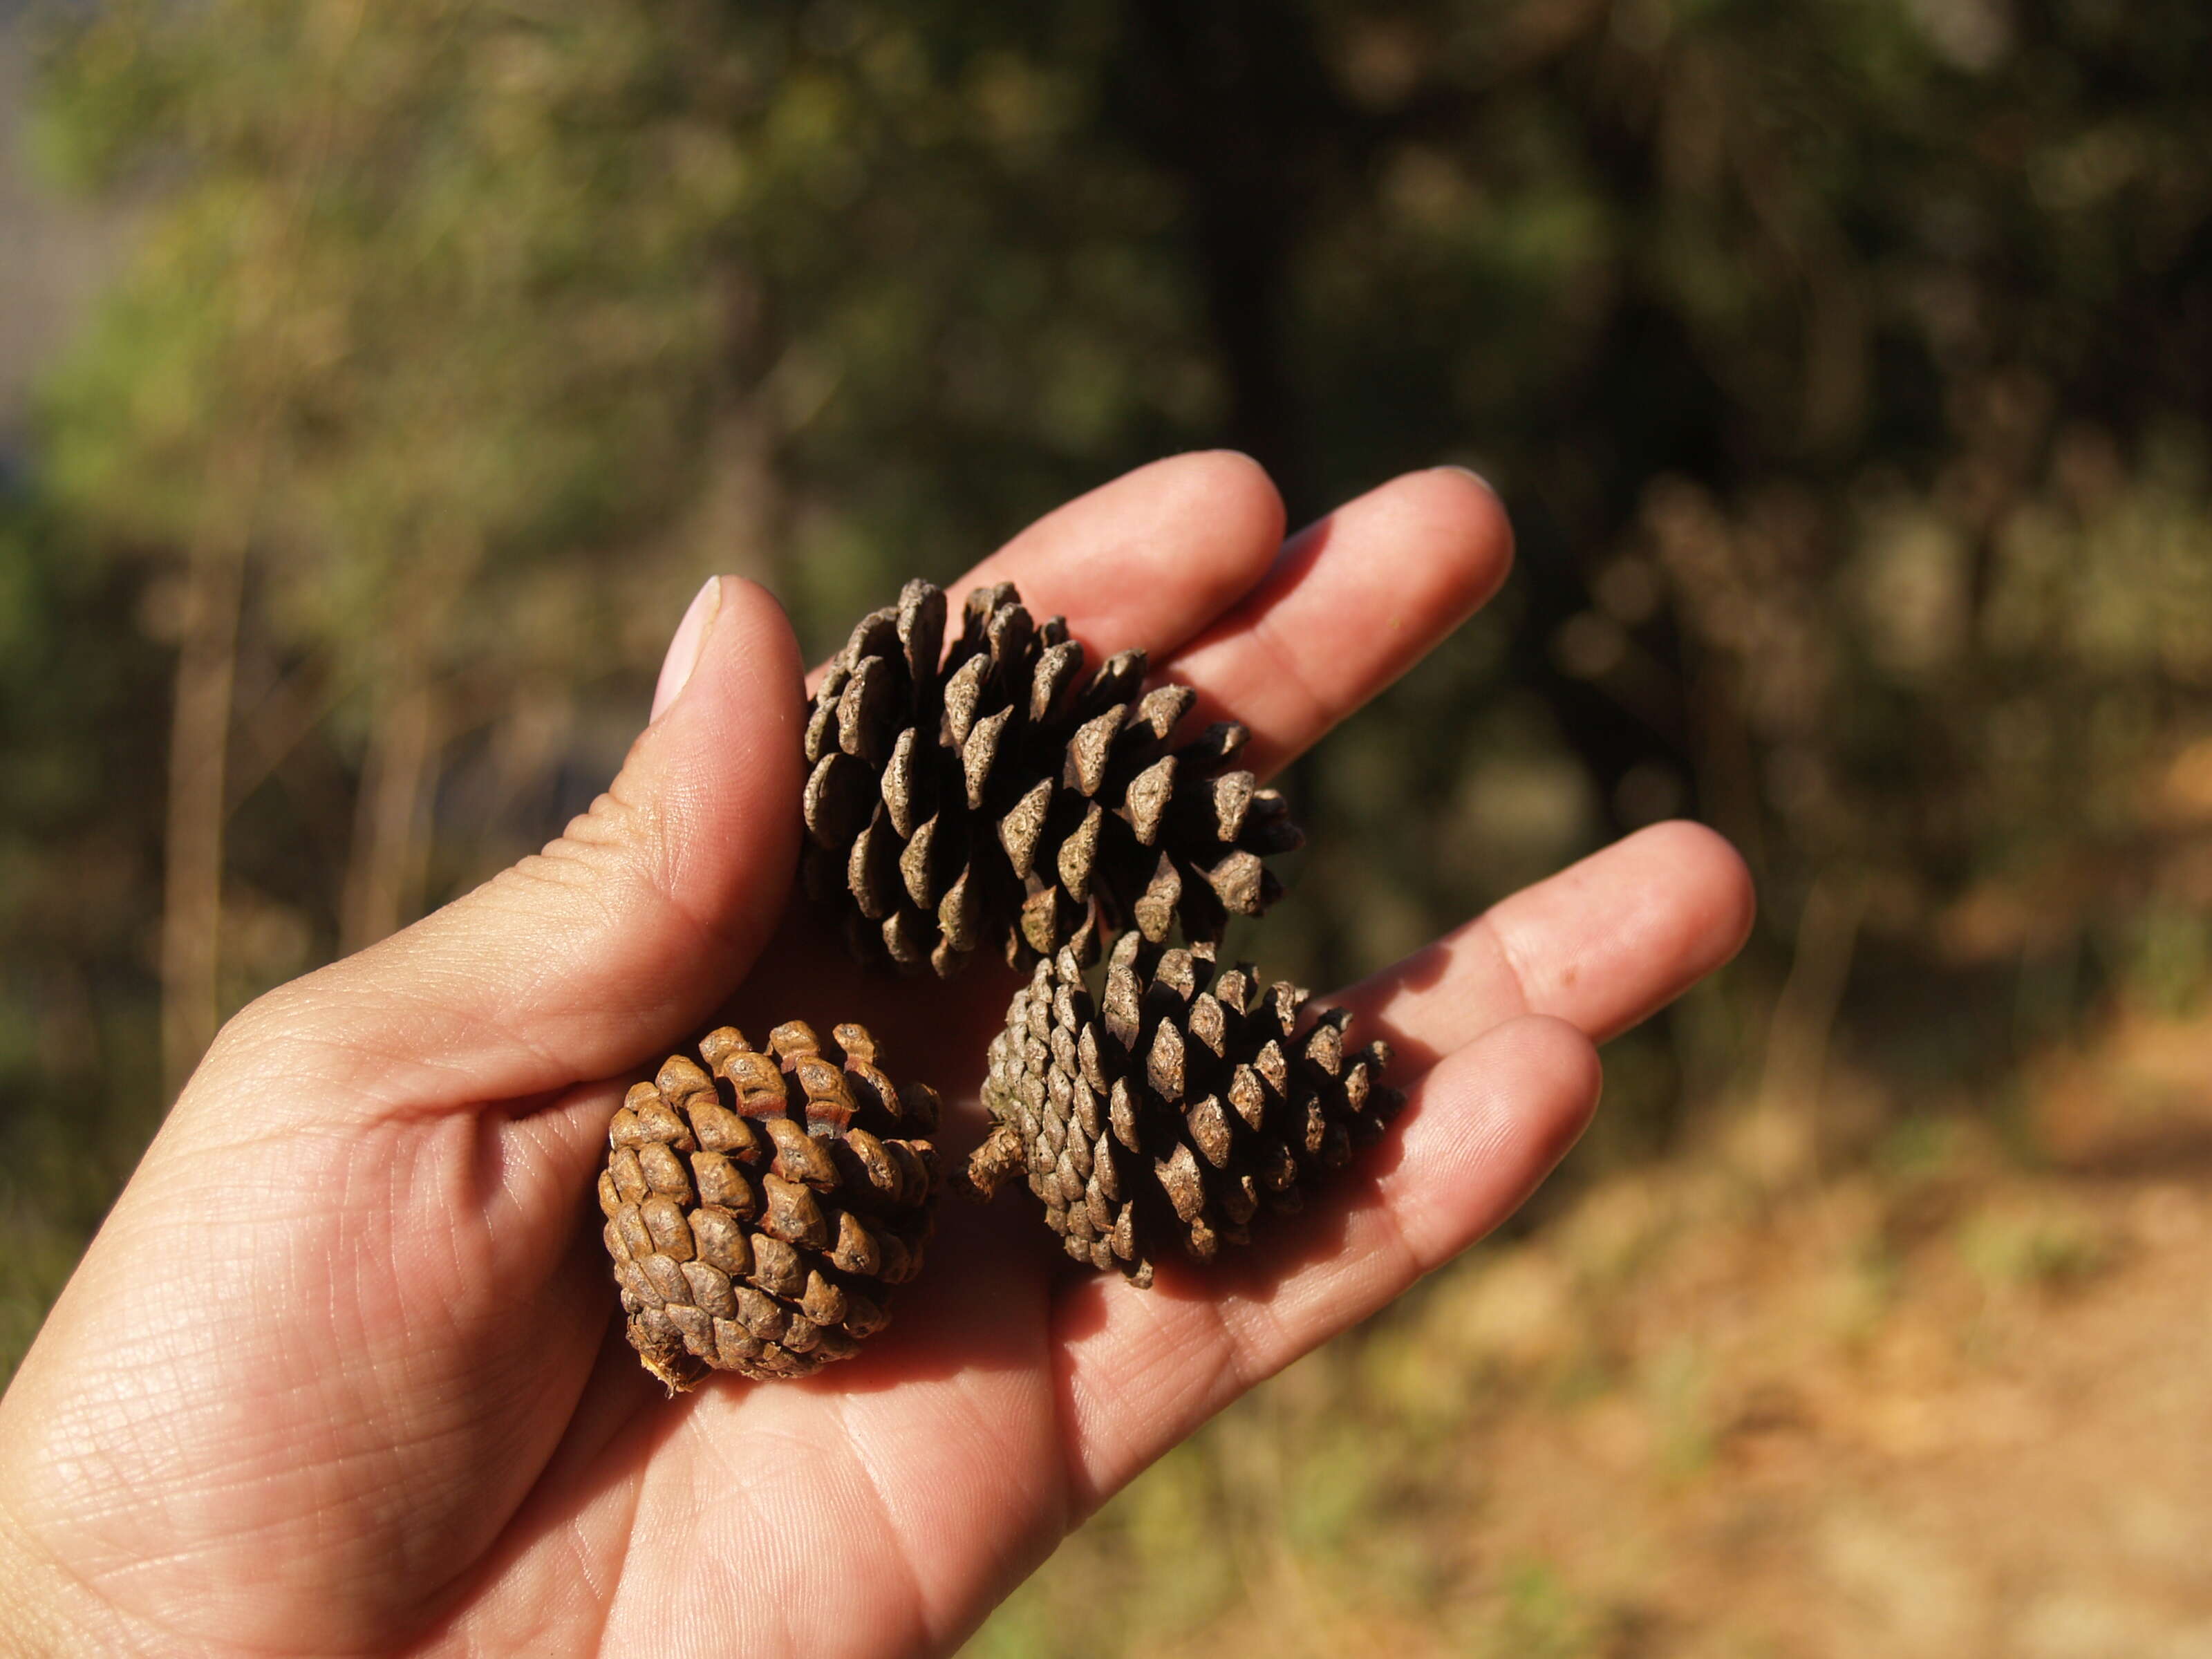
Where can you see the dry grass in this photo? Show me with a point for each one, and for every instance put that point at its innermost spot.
(1953, 1398)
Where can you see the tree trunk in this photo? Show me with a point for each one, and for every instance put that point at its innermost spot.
(1230, 96)
(200, 744)
(385, 874)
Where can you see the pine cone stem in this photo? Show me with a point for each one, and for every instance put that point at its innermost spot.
(992, 1164)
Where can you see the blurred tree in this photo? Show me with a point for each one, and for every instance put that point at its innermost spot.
(79, 1089)
(1841, 363)
(437, 295)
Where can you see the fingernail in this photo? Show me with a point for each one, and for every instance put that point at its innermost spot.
(1468, 472)
(683, 650)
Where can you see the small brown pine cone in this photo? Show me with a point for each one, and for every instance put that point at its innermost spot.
(755, 1232)
(1176, 1107)
(1003, 799)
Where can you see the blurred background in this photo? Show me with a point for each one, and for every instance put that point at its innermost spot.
(377, 383)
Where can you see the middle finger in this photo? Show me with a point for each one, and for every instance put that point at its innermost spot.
(1351, 604)
(1601, 944)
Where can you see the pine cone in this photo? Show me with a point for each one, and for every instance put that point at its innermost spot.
(1002, 799)
(1177, 1110)
(753, 1233)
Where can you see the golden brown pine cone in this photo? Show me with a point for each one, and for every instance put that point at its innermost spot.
(1003, 800)
(756, 1233)
(1178, 1110)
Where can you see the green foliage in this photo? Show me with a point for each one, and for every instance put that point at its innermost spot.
(76, 843)
(1841, 363)
(430, 289)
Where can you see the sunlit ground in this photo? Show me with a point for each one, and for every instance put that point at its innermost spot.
(1956, 1399)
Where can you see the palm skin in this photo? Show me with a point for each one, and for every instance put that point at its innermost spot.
(338, 1376)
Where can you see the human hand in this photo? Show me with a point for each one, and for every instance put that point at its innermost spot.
(339, 1375)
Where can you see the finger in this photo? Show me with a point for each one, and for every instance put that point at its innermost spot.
(613, 941)
(1351, 604)
(1601, 945)
(1142, 1369)
(1147, 560)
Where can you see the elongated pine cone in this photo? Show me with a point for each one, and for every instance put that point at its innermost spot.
(1004, 800)
(1178, 1110)
(754, 1232)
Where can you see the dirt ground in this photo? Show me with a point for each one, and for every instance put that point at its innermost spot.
(1952, 1396)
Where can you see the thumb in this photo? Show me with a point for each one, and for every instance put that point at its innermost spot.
(621, 934)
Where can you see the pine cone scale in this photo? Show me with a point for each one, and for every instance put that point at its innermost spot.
(1056, 807)
(1217, 1103)
(759, 1233)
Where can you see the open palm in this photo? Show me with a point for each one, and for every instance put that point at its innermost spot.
(339, 1375)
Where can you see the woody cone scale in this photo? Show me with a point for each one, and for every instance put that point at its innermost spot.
(1004, 800)
(991, 797)
(762, 1208)
(1176, 1107)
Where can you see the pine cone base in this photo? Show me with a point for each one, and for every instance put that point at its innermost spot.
(757, 1233)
